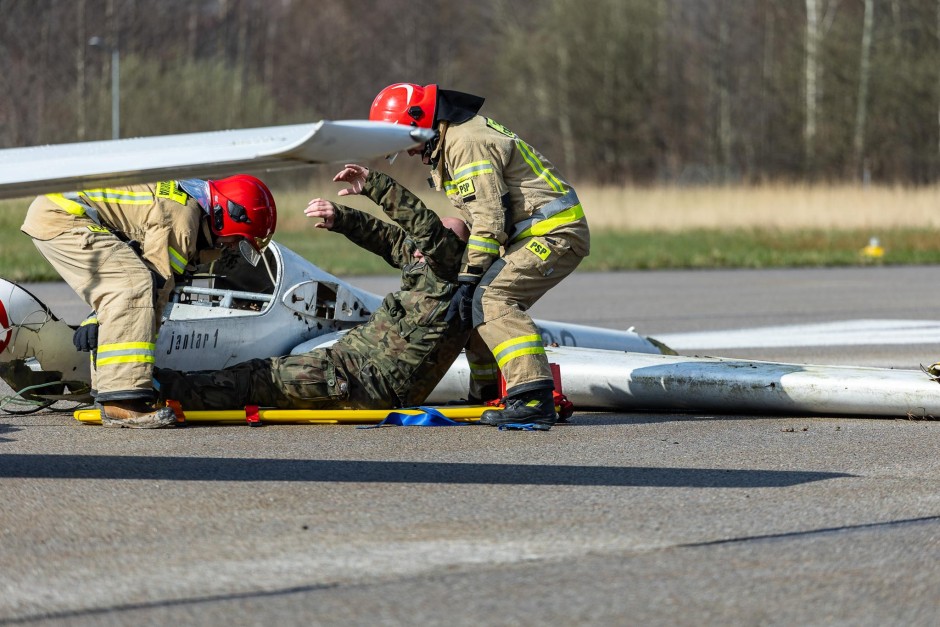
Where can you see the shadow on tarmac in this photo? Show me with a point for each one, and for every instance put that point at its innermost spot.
(6, 429)
(314, 470)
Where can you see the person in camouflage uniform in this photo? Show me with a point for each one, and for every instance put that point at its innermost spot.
(393, 360)
(527, 233)
(122, 249)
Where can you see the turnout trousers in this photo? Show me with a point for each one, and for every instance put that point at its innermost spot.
(528, 269)
(109, 276)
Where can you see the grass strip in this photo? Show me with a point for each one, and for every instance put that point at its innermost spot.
(610, 249)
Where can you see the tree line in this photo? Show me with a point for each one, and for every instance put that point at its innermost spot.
(613, 91)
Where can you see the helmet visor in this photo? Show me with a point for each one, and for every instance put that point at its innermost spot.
(248, 251)
(252, 249)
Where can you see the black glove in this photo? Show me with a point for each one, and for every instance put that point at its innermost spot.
(86, 335)
(462, 305)
(158, 281)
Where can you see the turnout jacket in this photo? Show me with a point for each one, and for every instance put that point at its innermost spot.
(506, 190)
(161, 218)
(406, 339)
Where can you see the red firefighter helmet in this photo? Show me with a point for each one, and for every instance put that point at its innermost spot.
(405, 103)
(242, 205)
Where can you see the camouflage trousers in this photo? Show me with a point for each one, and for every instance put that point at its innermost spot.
(321, 379)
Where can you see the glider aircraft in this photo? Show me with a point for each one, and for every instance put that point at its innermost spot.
(288, 304)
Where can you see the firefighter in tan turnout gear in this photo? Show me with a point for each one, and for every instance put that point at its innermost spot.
(121, 250)
(393, 360)
(527, 233)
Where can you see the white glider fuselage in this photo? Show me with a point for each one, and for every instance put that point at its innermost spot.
(243, 314)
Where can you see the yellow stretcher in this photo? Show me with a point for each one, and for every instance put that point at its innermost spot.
(458, 413)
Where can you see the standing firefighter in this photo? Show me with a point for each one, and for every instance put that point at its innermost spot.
(393, 360)
(527, 233)
(121, 250)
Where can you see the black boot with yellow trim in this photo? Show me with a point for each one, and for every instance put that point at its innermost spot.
(534, 406)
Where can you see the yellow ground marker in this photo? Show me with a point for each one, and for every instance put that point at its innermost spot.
(874, 250)
(469, 413)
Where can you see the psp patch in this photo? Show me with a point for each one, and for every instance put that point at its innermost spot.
(541, 250)
(169, 189)
(496, 126)
(466, 189)
(95, 228)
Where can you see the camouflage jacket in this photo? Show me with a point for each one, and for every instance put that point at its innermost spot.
(407, 339)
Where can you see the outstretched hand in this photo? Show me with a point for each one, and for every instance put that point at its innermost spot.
(319, 208)
(353, 174)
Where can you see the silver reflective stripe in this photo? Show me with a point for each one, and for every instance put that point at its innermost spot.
(90, 211)
(483, 372)
(545, 212)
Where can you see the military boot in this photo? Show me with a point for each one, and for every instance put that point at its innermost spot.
(535, 407)
(134, 414)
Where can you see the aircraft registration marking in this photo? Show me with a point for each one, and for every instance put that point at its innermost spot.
(192, 341)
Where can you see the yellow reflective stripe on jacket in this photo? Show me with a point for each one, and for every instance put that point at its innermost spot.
(543, 227)
(126, 352)
(467, 171)
(122, 196)
(483, 372)
(539, 168)
(68, 203)
(517, 347)
(177, 261)
(487, 245)
(563, 210)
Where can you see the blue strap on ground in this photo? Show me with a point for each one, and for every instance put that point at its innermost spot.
(429, 417)
(517, 426)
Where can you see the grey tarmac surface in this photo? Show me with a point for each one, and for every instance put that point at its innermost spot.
(613, 519)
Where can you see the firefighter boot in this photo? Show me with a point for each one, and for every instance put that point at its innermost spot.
(535, 407)
(134, 414)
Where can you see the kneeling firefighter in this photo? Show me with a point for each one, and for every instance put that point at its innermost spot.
(121, 250)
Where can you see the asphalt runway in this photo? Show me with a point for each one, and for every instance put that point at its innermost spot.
(613, 519)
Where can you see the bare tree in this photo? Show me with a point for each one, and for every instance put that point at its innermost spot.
(864, 71)
(723, 86)
(81, 112)
(611, 90)
(811, 79)
(819, 18)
